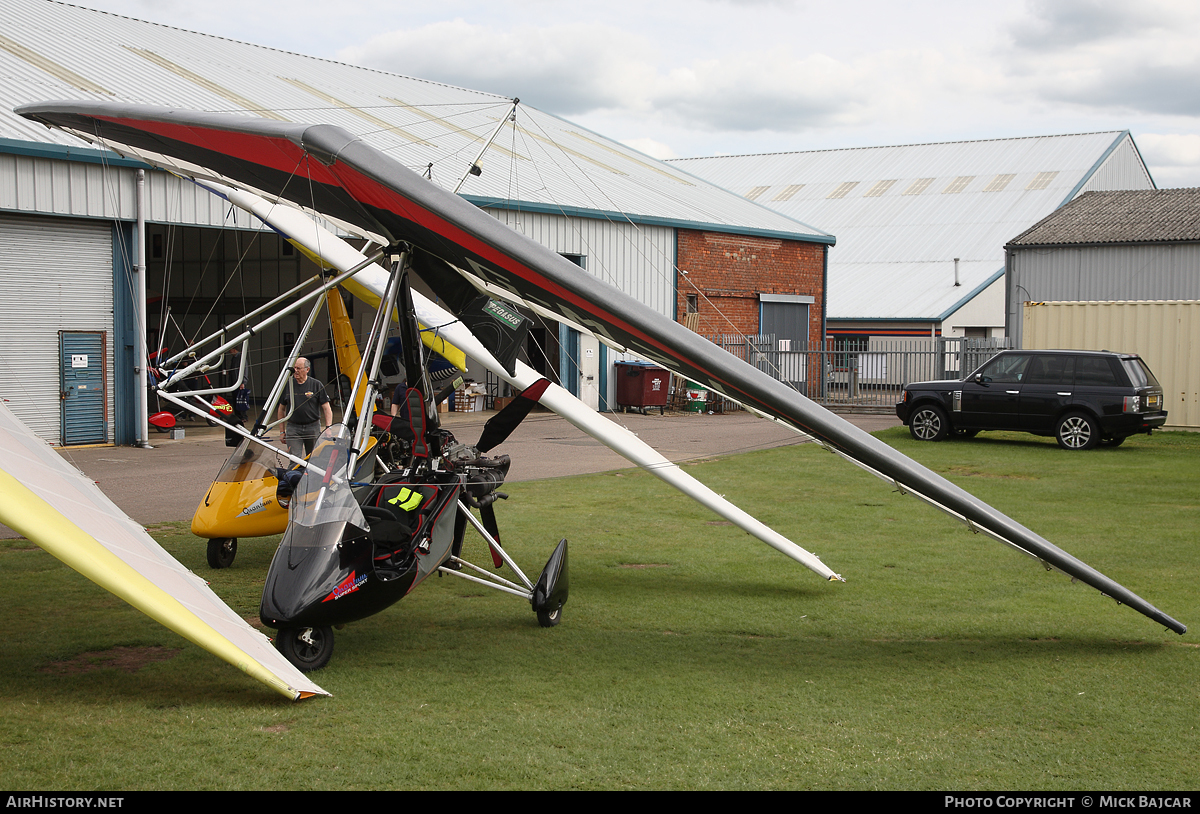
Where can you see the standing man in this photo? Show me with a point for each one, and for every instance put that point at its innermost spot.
(312, 414)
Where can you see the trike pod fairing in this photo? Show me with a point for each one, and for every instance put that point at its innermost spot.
(337, 174)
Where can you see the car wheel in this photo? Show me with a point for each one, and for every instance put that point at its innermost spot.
(1077, 431)
(307, 648)
(929, 423)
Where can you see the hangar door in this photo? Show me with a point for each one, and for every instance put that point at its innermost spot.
(58, 276)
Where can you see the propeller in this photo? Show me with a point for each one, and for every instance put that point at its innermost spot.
(502, 424)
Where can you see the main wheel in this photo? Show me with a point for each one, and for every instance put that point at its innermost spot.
(929, 423)
(308, 648)
(221, 551)
(1077, 431)
(550, 618)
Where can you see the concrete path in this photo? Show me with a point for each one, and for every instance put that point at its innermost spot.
(168, 482)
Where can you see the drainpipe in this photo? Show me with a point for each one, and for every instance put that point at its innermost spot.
(139, 309)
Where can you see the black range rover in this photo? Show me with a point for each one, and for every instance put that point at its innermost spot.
(1082, 398)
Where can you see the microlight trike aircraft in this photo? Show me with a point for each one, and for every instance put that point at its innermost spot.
(474, 263)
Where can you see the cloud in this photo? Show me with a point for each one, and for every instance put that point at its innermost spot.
(1065, 24)
(1109, 55)
(567, 69)
(652, 148)
(771, 91)
(574, 69)
(1173, 158)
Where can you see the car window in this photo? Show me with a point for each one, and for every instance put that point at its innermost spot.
(1056, 369)
(1095, 371)
(1007, 368)
(1139, 373)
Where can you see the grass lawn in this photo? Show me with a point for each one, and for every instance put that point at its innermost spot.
(690, 655)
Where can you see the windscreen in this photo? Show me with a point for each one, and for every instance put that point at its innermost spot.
(323, 494)
(249, 461)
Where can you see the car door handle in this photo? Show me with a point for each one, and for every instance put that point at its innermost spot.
(1064, 394)
(1012, 392)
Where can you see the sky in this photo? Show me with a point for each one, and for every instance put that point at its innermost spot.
(684, 78)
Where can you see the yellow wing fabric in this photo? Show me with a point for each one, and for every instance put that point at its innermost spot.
(431, 339)
(348, 357)
(48, 501)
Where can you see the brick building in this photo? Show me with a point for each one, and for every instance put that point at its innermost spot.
(752, 285)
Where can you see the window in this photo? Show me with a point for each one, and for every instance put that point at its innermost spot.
(843, 190)
(693, 304)
(958, 184)
(1094, 371)
(753, 194)
(1042, 180)
(879, 188)
(1051, 370)
(1006, 369)
(918, 186)
(998, 183)
(787, 192)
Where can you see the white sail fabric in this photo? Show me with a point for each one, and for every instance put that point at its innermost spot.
(54, 505)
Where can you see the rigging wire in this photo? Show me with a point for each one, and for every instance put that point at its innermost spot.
(625, 222)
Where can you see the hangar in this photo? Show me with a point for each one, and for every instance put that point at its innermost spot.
(921, 227)
(67, 209)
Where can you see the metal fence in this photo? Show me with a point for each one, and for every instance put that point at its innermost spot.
(868, 373)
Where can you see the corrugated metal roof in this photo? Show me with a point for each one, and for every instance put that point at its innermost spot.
(897, 241)
(1135, 216)
(50, 50)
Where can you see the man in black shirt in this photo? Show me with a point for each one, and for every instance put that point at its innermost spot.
(312, 414)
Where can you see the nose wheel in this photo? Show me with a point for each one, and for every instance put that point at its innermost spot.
(221, 551)
(307, 648)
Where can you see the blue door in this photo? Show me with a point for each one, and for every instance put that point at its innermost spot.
(82, 383)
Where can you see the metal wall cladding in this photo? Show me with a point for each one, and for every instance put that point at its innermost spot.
(1123, 169)
(86, 190)
(1165, 334)
(1109, 273)
(639, 260)
(60, 271)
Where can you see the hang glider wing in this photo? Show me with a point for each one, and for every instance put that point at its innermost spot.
(337, 174)
(49, 502)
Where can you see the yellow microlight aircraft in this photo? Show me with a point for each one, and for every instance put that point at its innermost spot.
(241, 501)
